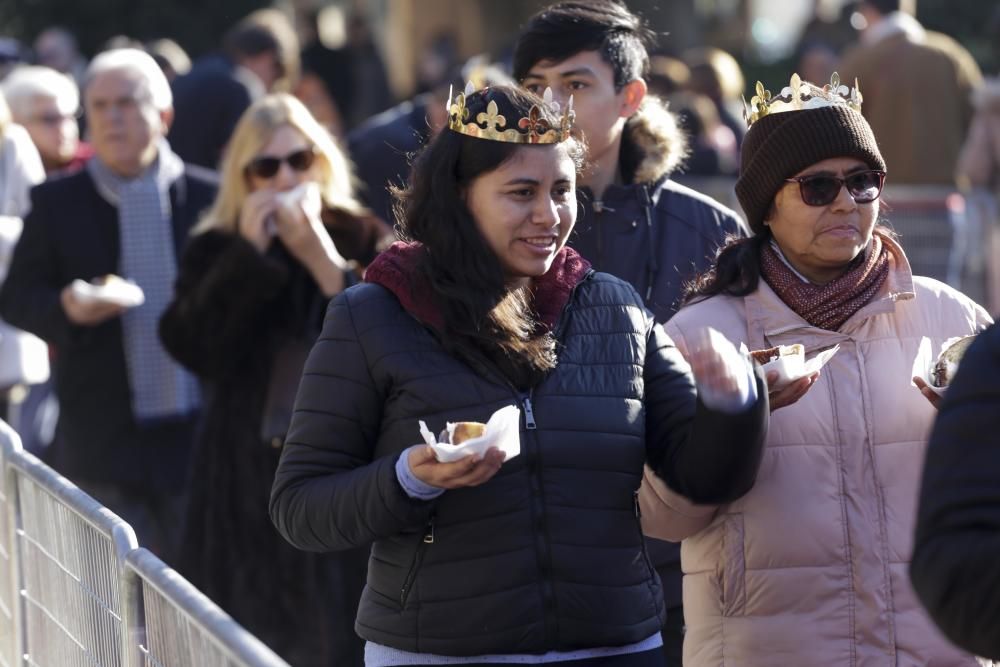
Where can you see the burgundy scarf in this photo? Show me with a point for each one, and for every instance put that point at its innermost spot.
(828, 306)
(396, 270)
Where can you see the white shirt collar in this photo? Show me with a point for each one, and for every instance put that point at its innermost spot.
(894, 24)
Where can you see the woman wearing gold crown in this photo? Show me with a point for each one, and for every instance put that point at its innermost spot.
(810, 566)
(538, 558)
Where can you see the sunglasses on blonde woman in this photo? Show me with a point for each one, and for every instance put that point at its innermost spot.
(266, 166)
(820, 190)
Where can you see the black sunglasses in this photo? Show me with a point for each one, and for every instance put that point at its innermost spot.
(267, 166)
(820, 190)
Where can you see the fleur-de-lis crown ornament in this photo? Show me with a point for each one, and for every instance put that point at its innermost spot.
(533, 128)
(799, 95)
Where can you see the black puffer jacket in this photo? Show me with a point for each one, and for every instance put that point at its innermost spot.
(651, 231)
(547, 555)
(956, 552)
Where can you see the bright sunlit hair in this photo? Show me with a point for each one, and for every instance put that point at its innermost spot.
(138, 62)
(28, 82)
(253, 132)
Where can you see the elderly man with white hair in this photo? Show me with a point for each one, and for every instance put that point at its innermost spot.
(127, 411)
(47, 103)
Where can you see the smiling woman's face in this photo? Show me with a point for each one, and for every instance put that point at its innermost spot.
(525, 209)
(821, 241)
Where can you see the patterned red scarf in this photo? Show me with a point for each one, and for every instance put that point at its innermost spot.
(828, 306)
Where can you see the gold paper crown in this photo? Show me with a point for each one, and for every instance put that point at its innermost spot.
(800, 95)
(531, 129)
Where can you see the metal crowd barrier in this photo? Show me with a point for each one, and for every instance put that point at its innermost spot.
(75, 589)
(10, 621)
(71, 551)
(186, 629)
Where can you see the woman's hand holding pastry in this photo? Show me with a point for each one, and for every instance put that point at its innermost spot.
(790, 393)
(470, 471)
(258, 207)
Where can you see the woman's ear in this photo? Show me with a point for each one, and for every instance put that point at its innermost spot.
(771, 212)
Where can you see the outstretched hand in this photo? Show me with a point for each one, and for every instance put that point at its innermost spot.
(469, 471)
(719, 370)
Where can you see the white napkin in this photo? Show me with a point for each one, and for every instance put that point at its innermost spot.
(502, 431)
(794, 367)
(927, 358)
(124, 293)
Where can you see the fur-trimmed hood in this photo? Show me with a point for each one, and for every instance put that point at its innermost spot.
(987, 96)
(653, 144)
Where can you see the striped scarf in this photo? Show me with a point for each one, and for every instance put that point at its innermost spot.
(161, 389)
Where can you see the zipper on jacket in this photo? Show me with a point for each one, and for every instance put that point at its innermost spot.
(418, 559)
(529, 412)
(652, 264)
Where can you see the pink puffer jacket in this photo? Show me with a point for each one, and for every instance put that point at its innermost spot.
(810, 567)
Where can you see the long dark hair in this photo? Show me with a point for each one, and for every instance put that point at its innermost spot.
(481, 314)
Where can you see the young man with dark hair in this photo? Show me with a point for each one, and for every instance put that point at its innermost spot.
(634, 221)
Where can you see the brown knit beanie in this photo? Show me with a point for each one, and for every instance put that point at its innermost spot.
(779, 145)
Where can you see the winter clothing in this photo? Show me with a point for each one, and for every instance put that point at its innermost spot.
(657, 235)
(916, 86)
(20, 169)
(979, 161)
(955, 569)
(72, 232)
(208, 102)
(546, 555)
(651, 231)
(24, 358)
(827, 306)
(809, 568)
(779, 145)
(236, 316)
(382, 147)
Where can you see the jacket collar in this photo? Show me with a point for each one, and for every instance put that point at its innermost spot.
(652, 147)
(771, 322)
(396, 269)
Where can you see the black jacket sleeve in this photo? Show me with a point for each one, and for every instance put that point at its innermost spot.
(707, 456)
(223, 298)
(328, 493)
(956, 559)
(30, 296)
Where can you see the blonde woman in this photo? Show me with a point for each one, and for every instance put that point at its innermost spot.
(283, 236)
